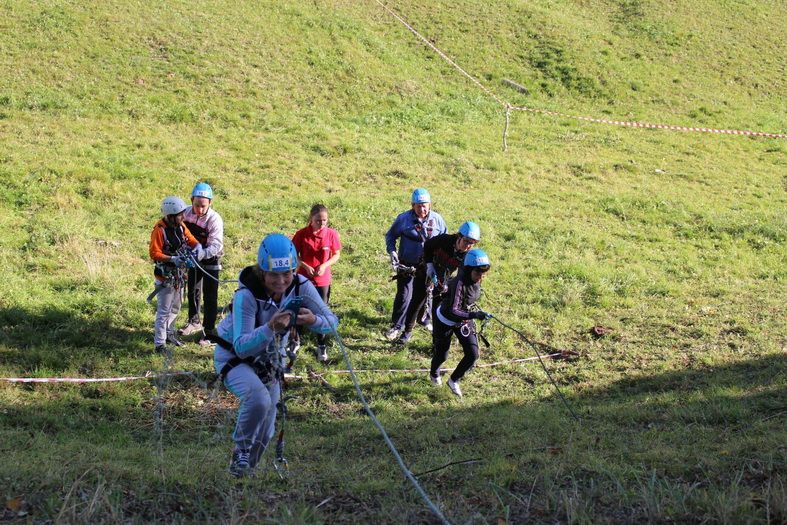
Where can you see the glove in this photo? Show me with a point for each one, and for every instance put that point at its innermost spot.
(177, 260)
(198, 252)
(482, 316)
(394, 260)
(431, 274)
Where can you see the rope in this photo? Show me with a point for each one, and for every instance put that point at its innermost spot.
(535, 346)
(197, 265)
(443, 55)
(412, 370)
(508, 107)
(408, 474)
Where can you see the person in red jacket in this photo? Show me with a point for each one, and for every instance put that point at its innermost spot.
(171, 246)
(318, 249)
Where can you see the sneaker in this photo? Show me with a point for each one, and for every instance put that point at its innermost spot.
(428, 326)
(454, 386)
(393, 333)
(191, 328)
(322, 354)
(436, 380)
(240, 465)
(405, 338)
(205, 342)
(160, 349)
(174, 341)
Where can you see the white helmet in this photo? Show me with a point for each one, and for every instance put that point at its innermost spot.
(173, 205)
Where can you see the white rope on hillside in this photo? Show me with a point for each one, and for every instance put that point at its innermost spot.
(509, 107)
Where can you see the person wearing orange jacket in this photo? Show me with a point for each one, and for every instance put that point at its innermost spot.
(171, 246)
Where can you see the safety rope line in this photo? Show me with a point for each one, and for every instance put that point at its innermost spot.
(443, 55)
(408, 474)
(148, 375)
(203, 270)
(648, 125)
(535, 346)
(509, 107)
(412, 370)
(151, 375)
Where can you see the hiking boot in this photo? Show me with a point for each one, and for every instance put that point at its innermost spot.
(405, 338)
(454, 386)
(174, 341)
(436, 380)
(240, 465)
(322, 354)
(194, 326)
(392, 333)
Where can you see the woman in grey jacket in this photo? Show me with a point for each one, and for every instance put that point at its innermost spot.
(250, 353)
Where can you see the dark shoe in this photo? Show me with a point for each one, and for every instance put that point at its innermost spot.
(405, 338)
(240, 465)
(322, 354)
(174, 341)
(161, 349)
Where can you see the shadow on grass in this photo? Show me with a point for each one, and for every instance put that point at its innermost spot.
(695, 445)
(55, 338)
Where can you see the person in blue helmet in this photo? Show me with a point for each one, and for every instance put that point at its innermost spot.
(455, 316)
(412, 229)
(252, 339)
(443, 256)
(208, 227)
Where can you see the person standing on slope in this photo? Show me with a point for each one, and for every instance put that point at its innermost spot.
(318, 248)
(208, 227)
(443, 256)
(412, 228)
(455, 316)
(170, 244)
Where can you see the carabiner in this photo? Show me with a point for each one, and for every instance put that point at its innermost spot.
(282, 467)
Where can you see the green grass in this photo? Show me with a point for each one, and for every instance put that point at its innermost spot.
(676, 241)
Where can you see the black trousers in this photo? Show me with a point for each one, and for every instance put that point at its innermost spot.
(441, 342)
(410, 299)
(325, 295)
(201, 285)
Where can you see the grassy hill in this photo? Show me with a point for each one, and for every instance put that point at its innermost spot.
(675, 241)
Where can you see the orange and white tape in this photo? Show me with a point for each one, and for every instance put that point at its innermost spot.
(148, 375)
(647, 125)
(509, 107)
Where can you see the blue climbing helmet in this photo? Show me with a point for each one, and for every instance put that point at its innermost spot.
(202, 189)
(477, 258)
(420, 196)
(277, 254)
(470, 230)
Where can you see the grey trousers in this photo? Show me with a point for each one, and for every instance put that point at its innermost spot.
(168, 302)
(257, 413)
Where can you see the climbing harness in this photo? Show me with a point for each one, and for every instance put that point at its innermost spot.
(173, 276)
(402, 269)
